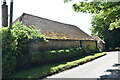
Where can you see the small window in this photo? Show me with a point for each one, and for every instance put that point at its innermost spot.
(80, 43)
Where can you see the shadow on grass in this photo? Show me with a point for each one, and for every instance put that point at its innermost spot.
(114, 74)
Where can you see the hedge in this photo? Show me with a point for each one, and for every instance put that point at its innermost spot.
(48, 70)
(54, 56)
(15, 42)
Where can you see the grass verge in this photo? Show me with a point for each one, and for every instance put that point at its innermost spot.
(43, 71)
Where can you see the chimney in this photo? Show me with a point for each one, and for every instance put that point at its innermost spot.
(4, 14)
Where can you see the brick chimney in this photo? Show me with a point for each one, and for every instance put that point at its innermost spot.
(4, 14)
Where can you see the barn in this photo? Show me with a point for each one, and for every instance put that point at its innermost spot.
(60, 35)
(100, 43)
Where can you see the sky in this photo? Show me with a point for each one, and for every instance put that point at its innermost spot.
(55, 10)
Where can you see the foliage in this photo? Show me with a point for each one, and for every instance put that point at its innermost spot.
(104, 12)
(105, 21)
(75, 63)
(41, 58)
(115, 24)
(89, 49)
(43, 71)
(9, 51)
(67, 51)
(15, 43)
(54, 56)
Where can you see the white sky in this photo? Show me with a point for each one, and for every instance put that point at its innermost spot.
(55, 10)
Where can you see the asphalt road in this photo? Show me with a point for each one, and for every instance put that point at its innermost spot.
(103, 67)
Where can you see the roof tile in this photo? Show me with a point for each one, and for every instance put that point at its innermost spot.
(53, 29)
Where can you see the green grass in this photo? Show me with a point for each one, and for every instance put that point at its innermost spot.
(43, 71)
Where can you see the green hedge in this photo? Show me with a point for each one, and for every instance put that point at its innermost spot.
(15, 42)
(47, 57)
(9, 51)
(47, 70)
(54, 56)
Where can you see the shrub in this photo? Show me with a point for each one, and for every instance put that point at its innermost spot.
(71, 49)
(15, 44)
(9, 51)
(79, 48)
(60, 51)
(89, 49)
(67, 51)
(53, 51)
(44, 71)
(54, 56)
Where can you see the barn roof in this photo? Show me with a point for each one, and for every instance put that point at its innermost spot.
(98, 39)
(53, 29)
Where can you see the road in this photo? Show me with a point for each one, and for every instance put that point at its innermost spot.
(103, 67)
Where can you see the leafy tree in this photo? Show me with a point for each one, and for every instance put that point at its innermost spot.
(110, 11)
(105, 21)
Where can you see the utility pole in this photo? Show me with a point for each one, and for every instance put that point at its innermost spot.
(4, 14)
(11, 13)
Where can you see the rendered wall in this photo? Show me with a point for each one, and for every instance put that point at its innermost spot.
(90, 43)
(54, 44)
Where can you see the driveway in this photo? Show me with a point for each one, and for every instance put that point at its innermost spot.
(104, 67)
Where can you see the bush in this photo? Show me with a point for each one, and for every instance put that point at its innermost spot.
(53, 52)
(60, 51)
(9, 51)
(54, 56)
(89, 49)
(67, 51)
(15, 44)
(44, 71)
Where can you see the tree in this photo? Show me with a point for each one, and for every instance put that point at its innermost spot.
(110, 11)
(105, 21)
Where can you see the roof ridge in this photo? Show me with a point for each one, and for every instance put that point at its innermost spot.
(48, 19)
(84, 32)
(56, 22)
